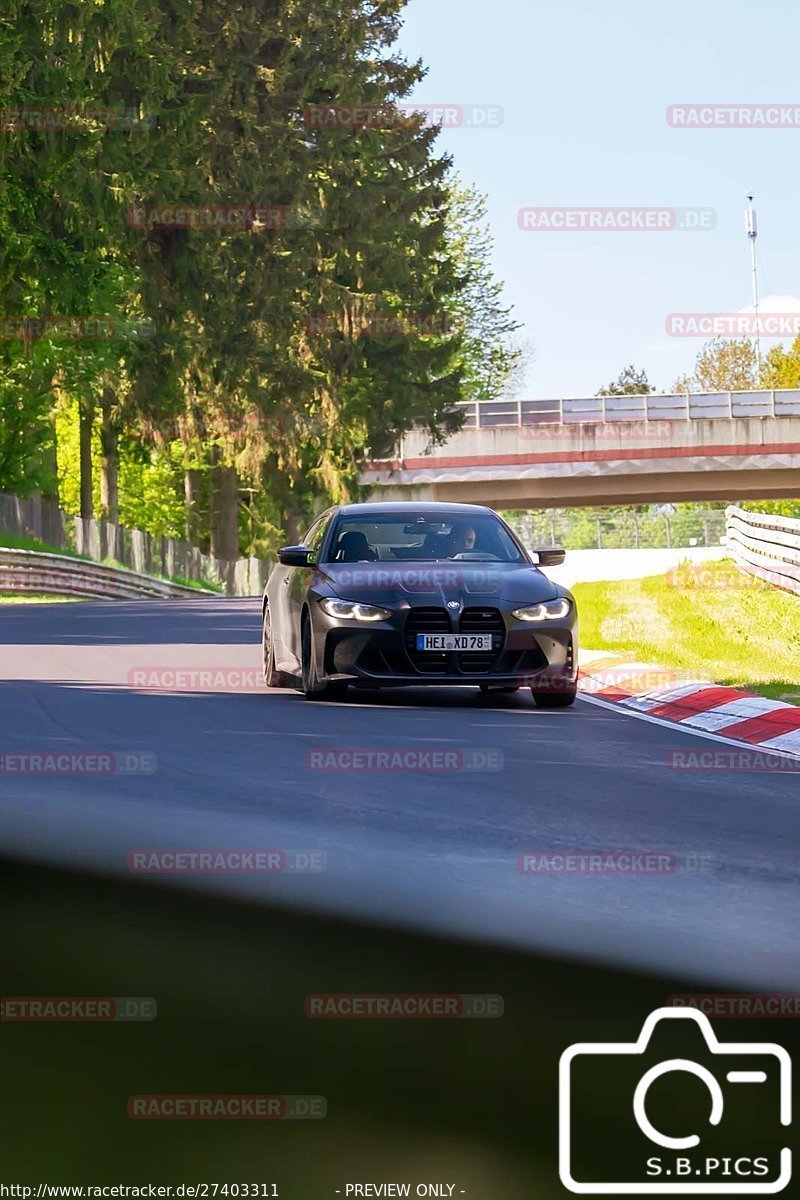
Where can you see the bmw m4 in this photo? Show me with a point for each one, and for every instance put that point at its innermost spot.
(390, 595)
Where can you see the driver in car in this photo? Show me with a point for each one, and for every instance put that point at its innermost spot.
(463, 538)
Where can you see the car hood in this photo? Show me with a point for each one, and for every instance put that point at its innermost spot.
(425, 583)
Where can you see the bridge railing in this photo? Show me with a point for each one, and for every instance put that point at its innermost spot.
(766, 546)
(654, 406)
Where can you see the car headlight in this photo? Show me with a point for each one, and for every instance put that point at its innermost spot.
(551, 610)
(354, 611)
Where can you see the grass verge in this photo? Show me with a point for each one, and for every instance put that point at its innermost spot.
(12, 541)
(20, 598)
(712, 620)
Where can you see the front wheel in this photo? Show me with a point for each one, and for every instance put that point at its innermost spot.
(554, 699)
(310, 686)
(273, 678)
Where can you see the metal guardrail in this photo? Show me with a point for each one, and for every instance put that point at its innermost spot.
(654, 406)
(135, 550)
(31, 572)
(765, 545)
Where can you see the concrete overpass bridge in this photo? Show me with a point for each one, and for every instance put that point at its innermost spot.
(605, 450)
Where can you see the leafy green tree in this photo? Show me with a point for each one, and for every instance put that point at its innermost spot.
(233, 391)
(382, 250)
(727, 366)
(631, 381)
(722, 365)
(59, 256)
(491, 359)
(581, 532)
(27, 434)
(232, 309)
(781, 367)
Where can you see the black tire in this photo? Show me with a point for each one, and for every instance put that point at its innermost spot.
(310, 686)
(554, 699)
(272, 677)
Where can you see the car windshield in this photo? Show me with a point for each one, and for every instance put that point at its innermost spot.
(426, 537)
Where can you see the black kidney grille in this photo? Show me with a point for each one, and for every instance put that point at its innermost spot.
(427, 620)
(481, 620)
(436, 620)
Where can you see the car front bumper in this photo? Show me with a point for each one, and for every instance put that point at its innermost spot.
(541, 655)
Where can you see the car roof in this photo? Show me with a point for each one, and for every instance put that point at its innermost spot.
(417, 506)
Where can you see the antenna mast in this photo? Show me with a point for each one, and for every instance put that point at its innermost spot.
(752, 232)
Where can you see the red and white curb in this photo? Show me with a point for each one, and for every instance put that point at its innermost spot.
(696, 705)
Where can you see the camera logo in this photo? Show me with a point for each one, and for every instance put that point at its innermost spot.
(656, 1099)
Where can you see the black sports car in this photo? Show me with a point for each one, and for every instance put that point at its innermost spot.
(388, 595)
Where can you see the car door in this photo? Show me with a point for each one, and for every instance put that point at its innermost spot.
(279, 615)
(297, 584)
(278, 595)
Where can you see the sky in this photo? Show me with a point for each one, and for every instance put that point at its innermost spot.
(584, 87)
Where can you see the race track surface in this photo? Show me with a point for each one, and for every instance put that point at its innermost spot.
(237, 768)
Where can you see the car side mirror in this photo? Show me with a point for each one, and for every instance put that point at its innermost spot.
(550, 556)
(296, 556)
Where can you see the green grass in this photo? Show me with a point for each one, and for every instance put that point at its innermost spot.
(19, 598)
(201, 584)
(713, 621)
(10, 541)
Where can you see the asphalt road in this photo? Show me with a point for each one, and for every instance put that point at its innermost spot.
(434, 849)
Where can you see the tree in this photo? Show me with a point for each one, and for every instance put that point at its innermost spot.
(27, 435)
(727, 366)
(264, 417)
(781, 367)
(492, 361)
(631, 381)
(60, 253)
(378, 257)
(523, 351)
(685, 383)
(723, 365)
(232, 308)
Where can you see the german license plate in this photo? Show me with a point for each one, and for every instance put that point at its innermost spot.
(454, 641)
